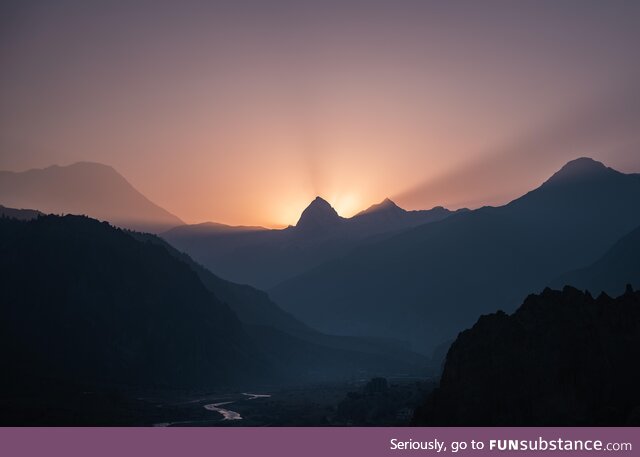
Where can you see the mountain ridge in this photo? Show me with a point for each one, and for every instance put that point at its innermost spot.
(264, 258)
(143, 317)
(385, 205)
(447, 272)
(90, 188)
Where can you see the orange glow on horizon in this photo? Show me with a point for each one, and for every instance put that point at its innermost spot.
(242, 114)
(283, 215)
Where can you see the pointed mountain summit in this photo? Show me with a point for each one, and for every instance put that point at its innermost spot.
(266, 257)
(385, 206)
(318, 215)
(577, 186)
(581, 168)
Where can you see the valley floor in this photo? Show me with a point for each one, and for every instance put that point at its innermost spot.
(337, 404)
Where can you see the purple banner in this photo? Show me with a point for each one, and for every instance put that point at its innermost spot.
(316, 442)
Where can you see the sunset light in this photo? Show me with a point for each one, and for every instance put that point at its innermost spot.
(322, 228)
(238, 115)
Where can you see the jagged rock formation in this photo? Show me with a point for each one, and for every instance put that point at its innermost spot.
(563, 358)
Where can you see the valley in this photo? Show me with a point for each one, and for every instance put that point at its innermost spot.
(367, 337)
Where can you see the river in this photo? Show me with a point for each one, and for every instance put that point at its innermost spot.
(227, 414)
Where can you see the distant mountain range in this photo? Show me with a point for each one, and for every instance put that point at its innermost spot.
(264, 258)
(86, 188)
(386, 272)
(427, 283)
(88, 306)
(562, 359)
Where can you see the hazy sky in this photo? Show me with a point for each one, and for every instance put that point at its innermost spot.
(243, 111)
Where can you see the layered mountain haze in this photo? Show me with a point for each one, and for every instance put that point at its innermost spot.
(286, 213)
(367, 297)
(207, 228)
(618, 267)
(362, 276)
(328, 356)
(387, 217)
(264, 258)
(429, 282)
(87, 188)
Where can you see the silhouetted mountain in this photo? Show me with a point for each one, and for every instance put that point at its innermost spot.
(429, 282)
(326, 355)
(85, 188)
(563, 358)
(264, 258)
(319, 216)
(20, 214)
(386, 216)
(578, 170)
(84, 302)
(612, 272)
(386, 207)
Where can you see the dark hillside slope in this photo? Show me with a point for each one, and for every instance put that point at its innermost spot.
(87, 303)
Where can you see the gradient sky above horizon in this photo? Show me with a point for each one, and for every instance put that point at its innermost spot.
(243, 111)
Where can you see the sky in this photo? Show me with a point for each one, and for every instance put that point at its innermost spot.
(242, 112)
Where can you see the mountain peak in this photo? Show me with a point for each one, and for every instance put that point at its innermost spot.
(319, 201)
(319, 214)
(387, 205)
(583, 164)
(578, 168)
(89, 188)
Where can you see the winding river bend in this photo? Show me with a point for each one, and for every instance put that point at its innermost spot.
(229, 415)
